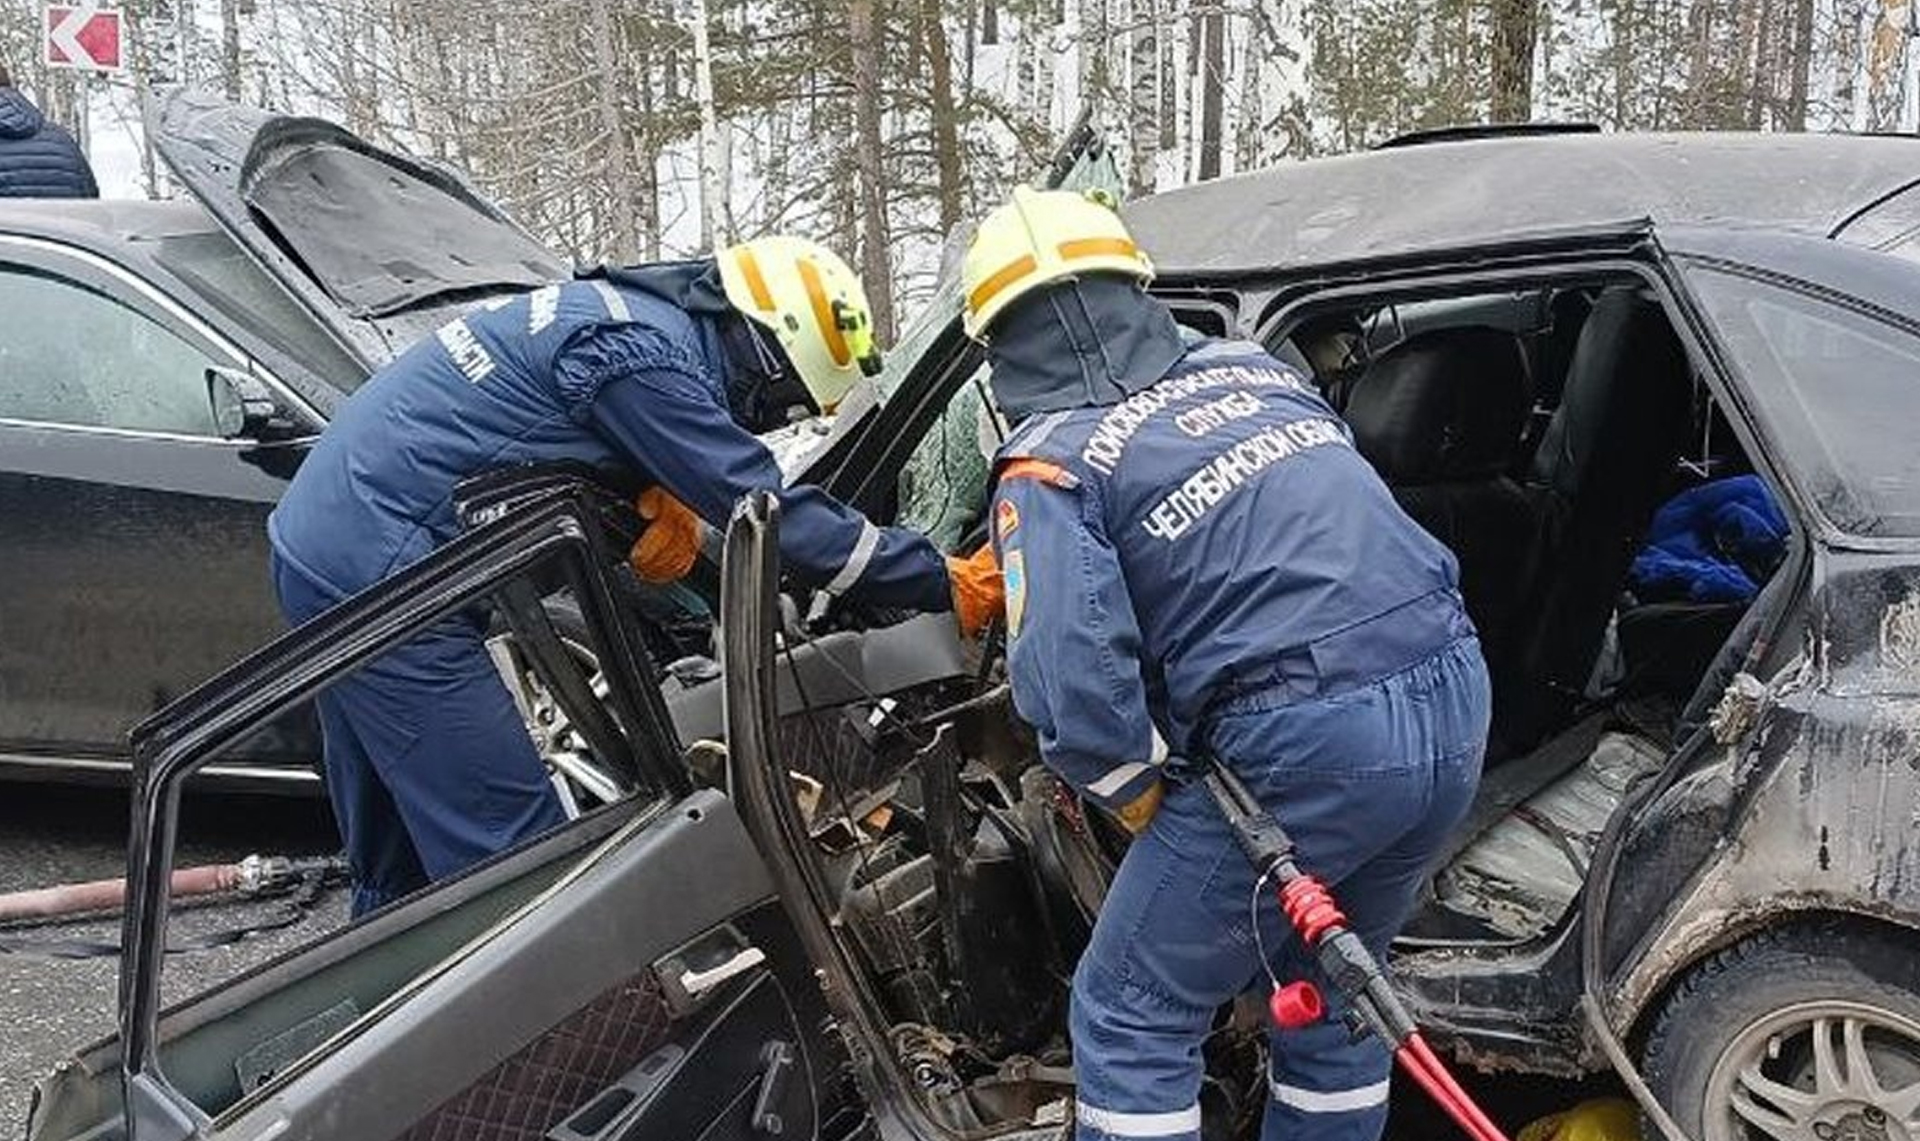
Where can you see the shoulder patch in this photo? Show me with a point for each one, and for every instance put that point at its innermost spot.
(1014, 573)
(1006, 519)
(1041, 470)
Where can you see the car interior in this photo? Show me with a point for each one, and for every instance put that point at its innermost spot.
(1535, 431)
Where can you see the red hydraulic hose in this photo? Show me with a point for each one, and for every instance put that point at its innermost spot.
(1418, 1059)
(1310, 909)
(110, 895)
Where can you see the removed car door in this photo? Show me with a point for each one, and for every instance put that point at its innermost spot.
(629, 975)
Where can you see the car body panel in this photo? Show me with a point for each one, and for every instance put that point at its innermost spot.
(136, 557)
(166, 247)
(1418, 199)
(378, 245)
(142, 556)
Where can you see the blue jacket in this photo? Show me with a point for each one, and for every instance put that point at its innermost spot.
(37, 158)
(616, 378)
(1712, 543)
(1211, 536)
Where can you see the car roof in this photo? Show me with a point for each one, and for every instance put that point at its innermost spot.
(120, 229)
(1451, 195)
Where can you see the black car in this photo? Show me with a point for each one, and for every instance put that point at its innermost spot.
(843, 897)
(133, 507)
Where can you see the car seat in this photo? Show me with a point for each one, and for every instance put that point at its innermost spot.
(1601, 470)
(1440, 417)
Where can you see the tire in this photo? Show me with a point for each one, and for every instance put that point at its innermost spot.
(1767, 1039)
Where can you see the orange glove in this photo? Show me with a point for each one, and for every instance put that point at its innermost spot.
(979, 593)
(670, 545)
(1135, 815)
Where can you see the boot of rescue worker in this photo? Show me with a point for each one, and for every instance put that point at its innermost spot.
(658, 376)
(1199, 565)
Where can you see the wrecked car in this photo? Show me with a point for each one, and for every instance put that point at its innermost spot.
(834, 893)
(132, 506)
(299, 259)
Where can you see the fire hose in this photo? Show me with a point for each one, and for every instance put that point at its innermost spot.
(301, 879)
(1311, 911)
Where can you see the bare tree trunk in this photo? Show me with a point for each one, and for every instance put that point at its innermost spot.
(1802, 65)
(1626, 24)
(1213, 66)
(989, 22)
(1043, 62)
(1169, 93)
(1143, 125)
(1093, 50)
(626, 244)
(1742, 86)
(714, 228)
(946, 128)
(230, 48)
(863, 35)
(1248, 112)
(1516, 23)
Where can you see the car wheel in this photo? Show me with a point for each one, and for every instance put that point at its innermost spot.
(580, 778)
(1806, 1033)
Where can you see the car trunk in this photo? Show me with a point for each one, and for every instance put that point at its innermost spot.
(375, 243)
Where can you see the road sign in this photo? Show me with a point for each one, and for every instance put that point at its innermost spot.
(83, 36)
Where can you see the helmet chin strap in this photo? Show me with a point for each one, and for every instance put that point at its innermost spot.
(761, 386)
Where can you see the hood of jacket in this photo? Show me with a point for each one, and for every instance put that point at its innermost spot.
(760, 385)
(1081, 343)
(19, 118)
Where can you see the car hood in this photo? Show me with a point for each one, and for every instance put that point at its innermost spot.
(363, 236)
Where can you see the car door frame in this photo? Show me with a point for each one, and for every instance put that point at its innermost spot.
(1824, 695)
(92, 270)
(172, 745)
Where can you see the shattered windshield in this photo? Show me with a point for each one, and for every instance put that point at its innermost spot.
(945, 481)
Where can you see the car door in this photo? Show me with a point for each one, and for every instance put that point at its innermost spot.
(134, 534)
(630, 975)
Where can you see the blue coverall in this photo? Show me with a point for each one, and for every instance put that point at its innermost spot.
(427, 763)
(1199, 564)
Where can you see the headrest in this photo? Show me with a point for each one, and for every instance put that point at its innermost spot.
(1442, 406)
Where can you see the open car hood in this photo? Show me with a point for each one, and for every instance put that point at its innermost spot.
(357, 233)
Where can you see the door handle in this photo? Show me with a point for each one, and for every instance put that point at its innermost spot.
(697, 983)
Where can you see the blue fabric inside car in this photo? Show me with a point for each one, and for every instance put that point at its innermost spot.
(1713, 543)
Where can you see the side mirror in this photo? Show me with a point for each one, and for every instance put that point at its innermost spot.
(244, 408)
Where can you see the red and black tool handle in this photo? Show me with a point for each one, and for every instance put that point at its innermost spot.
(1311, 911)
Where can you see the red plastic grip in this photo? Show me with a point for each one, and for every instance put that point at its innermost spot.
(1310, 908)
(1296, 1005)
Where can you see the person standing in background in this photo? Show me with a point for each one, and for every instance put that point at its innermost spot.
(38, 159)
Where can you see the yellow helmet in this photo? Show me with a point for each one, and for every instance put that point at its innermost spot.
(814, 305)
(1038, 238)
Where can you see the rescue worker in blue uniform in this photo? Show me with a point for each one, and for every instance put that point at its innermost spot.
(1199, 565)
(651, 371)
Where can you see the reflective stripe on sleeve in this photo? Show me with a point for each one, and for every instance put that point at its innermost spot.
(1116, 1124)
(616, 304)
(857, 559)
(1334, 1101)
(1114, 781)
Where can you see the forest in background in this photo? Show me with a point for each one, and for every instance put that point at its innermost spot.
(639, 129)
